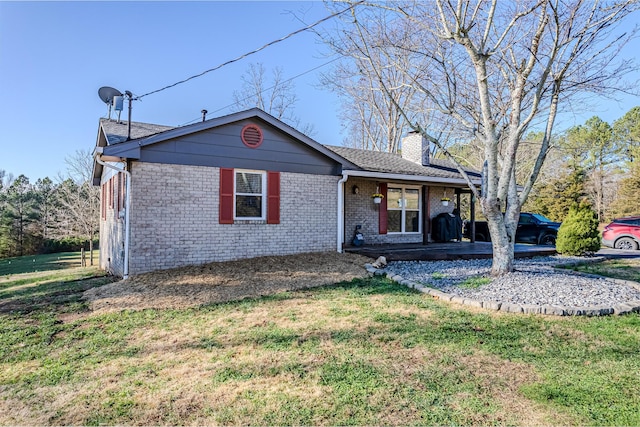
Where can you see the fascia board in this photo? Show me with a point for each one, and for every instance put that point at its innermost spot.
(124, 150)
(101, 141)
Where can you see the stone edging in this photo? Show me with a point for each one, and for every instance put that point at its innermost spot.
(553, 310)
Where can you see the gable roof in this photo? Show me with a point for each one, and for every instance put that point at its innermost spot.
(129, 149)
(394, 164)
(112, 136)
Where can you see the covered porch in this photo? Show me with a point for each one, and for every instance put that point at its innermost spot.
(444, 251)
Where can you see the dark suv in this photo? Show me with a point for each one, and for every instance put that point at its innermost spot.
(623, 233)
(532, 228)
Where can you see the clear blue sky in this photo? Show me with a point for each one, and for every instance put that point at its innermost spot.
(55, 55)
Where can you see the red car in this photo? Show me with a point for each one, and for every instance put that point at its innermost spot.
(622, 233)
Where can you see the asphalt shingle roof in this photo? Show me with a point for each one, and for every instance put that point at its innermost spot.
(376, 161)
(373, 161)
(117, 131)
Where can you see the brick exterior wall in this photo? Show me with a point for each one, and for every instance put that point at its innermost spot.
(415, 149)
(435, 200)
(175, 209)
(360, 209)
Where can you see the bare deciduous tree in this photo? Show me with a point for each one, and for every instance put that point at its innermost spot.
(494, 71)
(276, 96)
(77, 211)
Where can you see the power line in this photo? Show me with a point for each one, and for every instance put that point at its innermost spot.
(264, 90)
(308, 27)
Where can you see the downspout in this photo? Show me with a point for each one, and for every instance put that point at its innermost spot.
(127, 191)
(341, 210)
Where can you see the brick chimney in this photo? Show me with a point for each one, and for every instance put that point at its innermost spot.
(415, 148)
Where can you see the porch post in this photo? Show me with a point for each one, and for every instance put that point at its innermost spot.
(425, 215)
(473, 217)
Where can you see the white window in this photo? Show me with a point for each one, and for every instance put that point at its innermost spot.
(250, 195)
(404, 214)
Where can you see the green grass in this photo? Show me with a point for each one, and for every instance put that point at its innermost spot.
(359, 353)
(475, 282)
(621, 268)
(37, 263)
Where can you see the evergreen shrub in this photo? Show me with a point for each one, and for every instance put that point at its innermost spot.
(578, 234)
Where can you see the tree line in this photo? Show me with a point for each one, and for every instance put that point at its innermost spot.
(596, 161)
(49, 216)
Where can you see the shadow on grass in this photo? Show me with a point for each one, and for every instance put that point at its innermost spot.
(59, 296)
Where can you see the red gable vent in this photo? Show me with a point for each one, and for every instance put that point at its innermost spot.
(251, 136)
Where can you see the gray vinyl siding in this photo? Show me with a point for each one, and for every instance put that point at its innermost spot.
(222, 147)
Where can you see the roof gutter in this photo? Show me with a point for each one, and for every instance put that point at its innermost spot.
(97, 155)
(340, 227)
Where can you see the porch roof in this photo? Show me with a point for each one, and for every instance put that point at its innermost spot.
(383, 164)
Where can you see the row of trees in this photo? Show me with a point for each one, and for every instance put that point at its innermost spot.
(48, 216)
(596, 161)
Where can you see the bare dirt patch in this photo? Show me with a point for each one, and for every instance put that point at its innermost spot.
(226, 281)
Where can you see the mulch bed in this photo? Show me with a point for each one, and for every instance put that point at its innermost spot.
(226, 281)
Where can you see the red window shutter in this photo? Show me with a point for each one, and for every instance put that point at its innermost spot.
(121, 191)
(103, 201)
(226, 196)
(110, 192)
(382, 213)
(116, 200)
(273, 197)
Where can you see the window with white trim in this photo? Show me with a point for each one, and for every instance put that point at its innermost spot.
(250, 195)
(404, 211)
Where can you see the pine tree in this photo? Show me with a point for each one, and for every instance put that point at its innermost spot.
(578, 234)
(554, 197)
(627, 202)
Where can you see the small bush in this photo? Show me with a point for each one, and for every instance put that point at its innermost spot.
(578, 234)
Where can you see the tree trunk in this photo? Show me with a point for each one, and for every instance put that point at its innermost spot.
(502, 245)
(91, 250)
(502, 229)
(503, 255)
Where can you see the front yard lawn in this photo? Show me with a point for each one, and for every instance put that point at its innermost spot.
(365, 352)
(618, 268)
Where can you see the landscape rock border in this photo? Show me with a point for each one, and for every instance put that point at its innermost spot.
(552, 310)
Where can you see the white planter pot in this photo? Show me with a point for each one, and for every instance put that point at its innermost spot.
(377, 200)
(445, 203)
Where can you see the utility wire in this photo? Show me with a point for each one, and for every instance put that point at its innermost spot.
(308, 27)
(263, 91)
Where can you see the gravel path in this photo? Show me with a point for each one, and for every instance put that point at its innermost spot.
(534, 282)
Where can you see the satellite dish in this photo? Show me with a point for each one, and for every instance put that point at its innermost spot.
(107, 93)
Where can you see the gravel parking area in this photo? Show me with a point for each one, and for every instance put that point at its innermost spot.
(535, 282)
